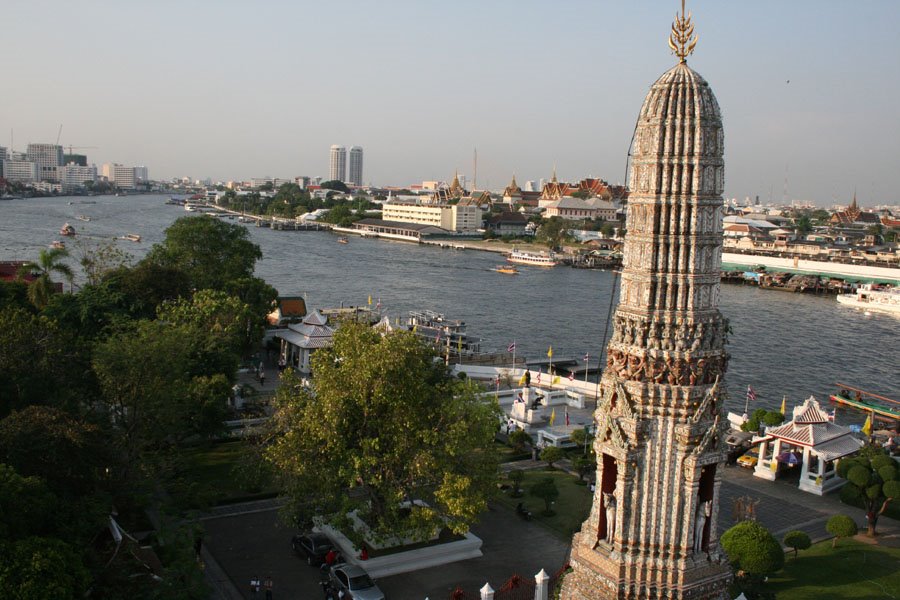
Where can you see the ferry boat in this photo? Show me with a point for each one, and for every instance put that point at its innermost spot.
(506, 269)
(132, 237)
(448, 335)
(343, 240)
(535, 259)
(873, 297)
(867, 401)
(67, 230)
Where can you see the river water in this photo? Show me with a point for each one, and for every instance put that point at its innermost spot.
(782, 343)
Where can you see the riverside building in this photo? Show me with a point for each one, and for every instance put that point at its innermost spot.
(48, 158)
(652, 530)
(452, 217)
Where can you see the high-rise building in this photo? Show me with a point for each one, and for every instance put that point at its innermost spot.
(48, 157)
(338, 168)
(652, 529)
(120, 175)
(73, 176)
(356, 165)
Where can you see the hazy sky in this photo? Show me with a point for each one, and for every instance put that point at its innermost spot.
(233, 90)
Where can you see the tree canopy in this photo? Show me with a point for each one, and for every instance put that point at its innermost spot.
(873, 481)
(385, 425)
(752, 549)
(209, 251)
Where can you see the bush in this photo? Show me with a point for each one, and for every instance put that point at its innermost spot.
(551, 454)
(518, 439)
(798, 540)
(841, 526)
(516, 476)
(546, 490)
(752, 549)
(584, 465)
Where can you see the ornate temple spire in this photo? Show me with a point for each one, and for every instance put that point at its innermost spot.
(553, 179)
(682, 39)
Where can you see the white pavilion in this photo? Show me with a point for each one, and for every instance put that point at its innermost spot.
(810, 441)
(300, 340)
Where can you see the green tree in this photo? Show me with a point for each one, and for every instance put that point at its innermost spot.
(584, 465)
(752, 549)
(97, 259)
(841, 526)
(803, 225)
(518, 439)
(516, 476)
(554, 232)
(210, 251)
(551, 454)
(873, 480)
(546, 490)
(798, 540)
(581, 437)
(221, 319)
(336, 185)
(385, 425)
(49, 262)
(39, 568)
(27, 507)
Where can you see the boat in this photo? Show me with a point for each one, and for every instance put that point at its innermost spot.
(866, 401)
(448, 336)
(67, 230)
(506, 269)
(190, 207)
(535, 259)
(83, 218)
(131, 237)
(873, 297)
(343, 240)
(58, 245)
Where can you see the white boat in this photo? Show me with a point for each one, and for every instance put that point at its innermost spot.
(871, 297)
(535, 259)
(131, 237)
(83, 218)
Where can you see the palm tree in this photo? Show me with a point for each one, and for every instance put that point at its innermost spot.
(49, 262)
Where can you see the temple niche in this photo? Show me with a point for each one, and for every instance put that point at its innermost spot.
(651, 532)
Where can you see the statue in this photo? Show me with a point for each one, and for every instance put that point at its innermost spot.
(704, 510)
(609, 501)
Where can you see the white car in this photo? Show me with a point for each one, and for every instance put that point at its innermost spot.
(354, 582)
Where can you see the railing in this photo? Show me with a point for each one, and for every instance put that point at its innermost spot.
(515, 588)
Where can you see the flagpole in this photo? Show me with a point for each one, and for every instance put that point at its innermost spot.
(587, 359)
(747, 402)
(514, 356)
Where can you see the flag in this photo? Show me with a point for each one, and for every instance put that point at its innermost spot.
(459, 344)
(567, 416)
(831, 415)
(555, 380)
(587, 358)
(571, 376)
(538, 380)
(751, 395)
(414, 328)
(784, 405)
(511, 347)
(552, 417)
(522, 379)
(867, 428)
(378, 304)
(437, 340)
(498, 381)
(550, 352)
(370, 299)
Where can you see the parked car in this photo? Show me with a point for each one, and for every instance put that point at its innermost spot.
(314, 546)
(354, 582)
(749, 459)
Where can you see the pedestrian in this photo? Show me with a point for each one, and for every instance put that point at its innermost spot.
(254, 587)
(268, 585)
(330, 559)
(364, 554)
(281, 364)
(527, 378)
(262, 378)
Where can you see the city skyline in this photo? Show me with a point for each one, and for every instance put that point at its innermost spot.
(246, 91)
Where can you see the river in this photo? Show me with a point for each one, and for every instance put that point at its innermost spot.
(782, 343)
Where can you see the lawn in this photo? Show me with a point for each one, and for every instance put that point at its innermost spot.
(854, 569)
(571, 508)
(218, 473)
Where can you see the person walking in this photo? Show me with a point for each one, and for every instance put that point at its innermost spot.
(254, 587)
(268, 585)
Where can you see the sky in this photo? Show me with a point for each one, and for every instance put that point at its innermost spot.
(236, 89)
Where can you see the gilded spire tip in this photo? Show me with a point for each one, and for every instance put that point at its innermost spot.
(682, 39)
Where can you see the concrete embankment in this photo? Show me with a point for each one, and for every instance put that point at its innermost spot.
(815, 267)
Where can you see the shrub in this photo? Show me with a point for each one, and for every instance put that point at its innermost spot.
(798, 540)
(551, 454)
(518, 439)
(752, 549)
(516, 476)
(841, 526)
(546, 490)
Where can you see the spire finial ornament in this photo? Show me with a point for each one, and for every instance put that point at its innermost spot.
(682, 39)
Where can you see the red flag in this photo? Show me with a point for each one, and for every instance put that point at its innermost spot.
(567, 416)
(571, 376)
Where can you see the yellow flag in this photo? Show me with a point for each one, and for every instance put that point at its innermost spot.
(555, 380)
(552, 416)
(522, 379)
(370, 300)
(784, 405)
(414, 328)
(867, 428)
(459, 344)
(550, 352)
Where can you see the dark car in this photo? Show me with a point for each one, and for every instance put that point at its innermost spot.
(314, 546)
(354, 582)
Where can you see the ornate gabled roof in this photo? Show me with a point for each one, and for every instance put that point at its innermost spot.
(810, 426)
(809, 412)
(512, 189)
(315, 318)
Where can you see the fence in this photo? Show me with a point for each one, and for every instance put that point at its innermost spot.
(515, 588)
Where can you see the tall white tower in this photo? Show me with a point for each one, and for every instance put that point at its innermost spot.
(356, 165)
(338, 169)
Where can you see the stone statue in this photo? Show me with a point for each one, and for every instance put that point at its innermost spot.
(609, 501)
(704, 510)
